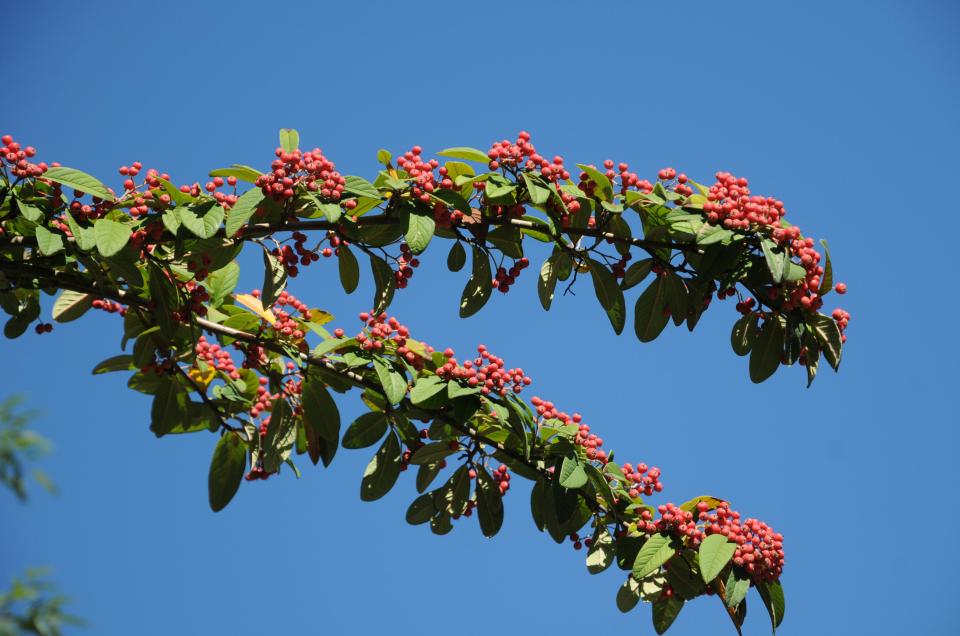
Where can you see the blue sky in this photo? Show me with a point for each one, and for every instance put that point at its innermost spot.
(846, 111)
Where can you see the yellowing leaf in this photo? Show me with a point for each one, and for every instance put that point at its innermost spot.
(201, 378)
(417, 347)
(254, 305)
(320, 317)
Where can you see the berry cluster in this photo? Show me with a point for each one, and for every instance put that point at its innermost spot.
(227, 201)
(198, 265)
(16, 157)
(642, 479)
(286, 324)
(486, 371)
(522, 155)
(264, 400)
(501, 477)
(381, 329)
(217, 357)
(406, 263)
(424, 181)
(843, 319)
(197, 296)
(504, 278)
(109, 306)
(309, 169)
(759, 548)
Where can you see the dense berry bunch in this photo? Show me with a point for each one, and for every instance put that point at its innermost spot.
(642, 479)
(406, 263)
(501, 477)
(381, 329)
(286, 324)
(424, 180)
(486, 371)
(843, 319)
(522, 155)
(16, 157)
(109, 306)
(309, 169)
(505, 278)
(217, 357)
(759, 548)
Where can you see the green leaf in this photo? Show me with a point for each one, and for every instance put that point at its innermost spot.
(432, 452)
(478, 288)
(48, 242)
(665, 611)
(122, 362)
(715, 552)
(274, 278)
(382, 471)
(281, 436)
(602, 551)
(360, 187)
(649, 315)
(164, 293)
(463, 152)
(508, 240)
(84, 236)
(767, 350)
(489, 503)
(776, 260)
(169, 407)
(222, 282)
(636, 273)
(242, 210)
(628, 595)
(171, 220)
(736, 588)
(70, 305)
(365, 431)
(226, 470)
(656, 551)
(384, 281)
(30, 212)
(426, 474)
(609, 294)
(421, 510)
(457, 257)
(204, 226)
(420, 228)
(78, 180)
(773, 600)
(684, 580)
(826, 281)
(676, 297)
(547, 283)
(289, 139)
(572, 474)
(384, 156)
(604, 189)
(241, 172)
(349, 268)
(394, 383)
(111, 236)
(426, 388)
(456, 491)
(744, 333)
(539, 194)
(321, 420)
(828, 334)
